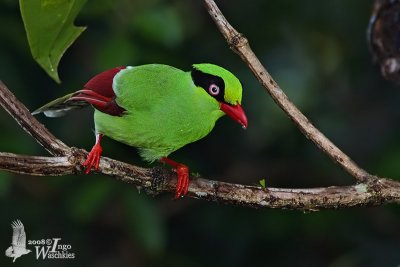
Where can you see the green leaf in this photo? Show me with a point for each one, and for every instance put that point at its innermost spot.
(262, 183)
(50, 30)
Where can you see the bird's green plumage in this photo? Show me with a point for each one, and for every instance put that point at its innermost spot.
(164, 109)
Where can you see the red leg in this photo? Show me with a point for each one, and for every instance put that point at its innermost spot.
(93, 158)
(182, 171)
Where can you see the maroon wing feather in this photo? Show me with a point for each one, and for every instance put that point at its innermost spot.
(102, 83)
(99, 92)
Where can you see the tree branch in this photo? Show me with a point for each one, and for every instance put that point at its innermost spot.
(158, 180)
(240, 45)
(371, 190)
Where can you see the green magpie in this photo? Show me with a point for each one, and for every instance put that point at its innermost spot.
(155, 108)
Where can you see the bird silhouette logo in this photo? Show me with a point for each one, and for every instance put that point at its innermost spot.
(18, 244)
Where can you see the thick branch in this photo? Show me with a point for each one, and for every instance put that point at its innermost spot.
(37, 166)
(57, 166)
(240, 45)
(157, 180)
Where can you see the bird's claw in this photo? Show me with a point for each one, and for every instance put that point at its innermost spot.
(182, 183)
(93, 158)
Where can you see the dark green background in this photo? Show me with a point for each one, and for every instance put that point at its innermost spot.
(317, 52)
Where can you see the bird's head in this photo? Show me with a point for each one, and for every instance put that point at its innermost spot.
(223, 86)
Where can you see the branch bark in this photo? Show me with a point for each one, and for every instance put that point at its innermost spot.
(371, 190)
(157, 180)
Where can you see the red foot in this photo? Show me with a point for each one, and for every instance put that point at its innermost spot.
(93, 158)
(182, 171)
(182, 184)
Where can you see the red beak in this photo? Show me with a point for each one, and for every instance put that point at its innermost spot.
(236, 112)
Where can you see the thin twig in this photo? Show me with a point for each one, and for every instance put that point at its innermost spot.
(240, 45)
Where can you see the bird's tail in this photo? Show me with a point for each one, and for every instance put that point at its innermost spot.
(60, 106)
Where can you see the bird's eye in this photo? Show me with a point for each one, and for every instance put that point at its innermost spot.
(213, 89)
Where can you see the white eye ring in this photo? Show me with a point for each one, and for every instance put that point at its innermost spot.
(213, 89)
